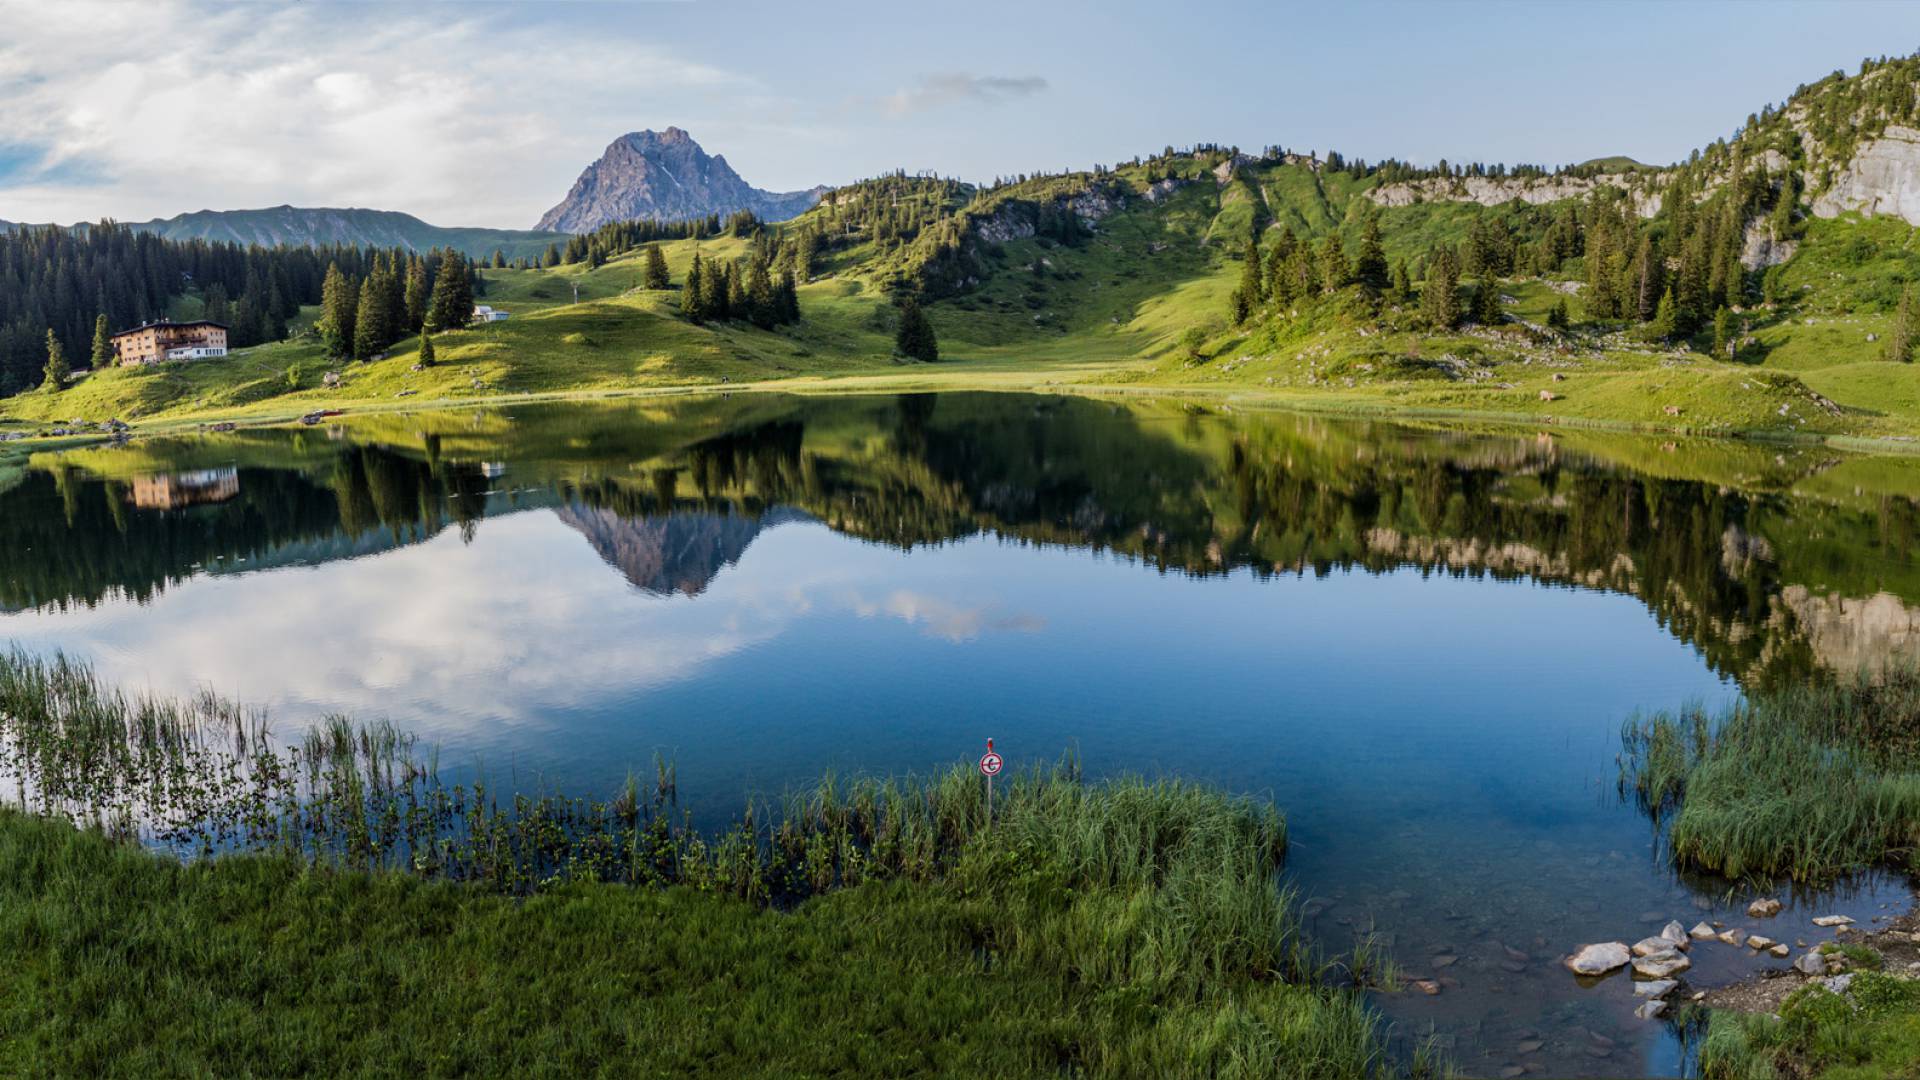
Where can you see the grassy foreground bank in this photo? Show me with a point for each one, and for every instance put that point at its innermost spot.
(1123, 928)
(1805, 783)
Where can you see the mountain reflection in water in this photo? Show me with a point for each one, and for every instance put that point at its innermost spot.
(1758, 559)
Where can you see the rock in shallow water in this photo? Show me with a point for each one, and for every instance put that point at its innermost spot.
(1675, 933)
(1661, 965)
(1760, 941)
(1658, 988)
(1701, 932)
(1832, 920)
(1763, 908)
(1652, 1010)
(1599, 959)
(1780, 950)
(1735, 936)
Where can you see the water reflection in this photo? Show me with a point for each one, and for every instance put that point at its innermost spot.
(1747, 555)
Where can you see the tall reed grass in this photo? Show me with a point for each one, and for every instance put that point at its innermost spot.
(1805, 782)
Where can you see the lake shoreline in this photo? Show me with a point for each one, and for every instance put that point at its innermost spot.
(1018, 381)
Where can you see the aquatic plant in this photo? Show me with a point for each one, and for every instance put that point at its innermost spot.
(1805, 782)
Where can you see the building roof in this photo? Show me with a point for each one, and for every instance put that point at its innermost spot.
(169, 322)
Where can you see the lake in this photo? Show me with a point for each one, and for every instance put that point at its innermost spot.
(1420, 644)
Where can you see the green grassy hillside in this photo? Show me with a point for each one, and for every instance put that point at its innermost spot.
(1115, 280)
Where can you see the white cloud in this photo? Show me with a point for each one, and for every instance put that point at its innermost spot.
(151, 109)
(952, 88)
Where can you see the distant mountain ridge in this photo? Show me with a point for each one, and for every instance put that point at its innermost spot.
(665, 176)
(298, 226)
(293, 226)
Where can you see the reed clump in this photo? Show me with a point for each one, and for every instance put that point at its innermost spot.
(1128, 927)
(1804, 782)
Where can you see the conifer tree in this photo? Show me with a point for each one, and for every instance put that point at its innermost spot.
(1485, 306)
(1402, 286)
(55, 376)
(1335, 273)
(1723, 332)
(1901, 339)
(339, 297)
(656, 268)
(915, 338)
(451, 305)
(1666, 318)
(1559, 318)
(762, 308)
(102, 343)
(1649, 279)
(736, 293)
(1370, 265)
(1439, 306)
(414, 298)
(371, 318)
(693, 301)
(426, 351)
(787, 293)
(718, 306)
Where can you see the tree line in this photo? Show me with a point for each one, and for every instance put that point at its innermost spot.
(401, 294)
(64, 281)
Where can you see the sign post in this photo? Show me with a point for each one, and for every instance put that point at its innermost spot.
(989, 765)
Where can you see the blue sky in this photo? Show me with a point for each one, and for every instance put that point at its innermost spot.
(483, 113)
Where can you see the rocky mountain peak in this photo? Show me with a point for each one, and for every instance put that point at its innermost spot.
(664, 176)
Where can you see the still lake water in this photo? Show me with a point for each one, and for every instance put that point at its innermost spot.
(1421, 645)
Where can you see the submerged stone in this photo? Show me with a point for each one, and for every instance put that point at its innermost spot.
(1649, 946)
(1657, 988)
(1832, 920)
(1661, 965)
(1675, 933)
(1764, 908)
(1652, 1010)
(1599, 959)
(1701, 931)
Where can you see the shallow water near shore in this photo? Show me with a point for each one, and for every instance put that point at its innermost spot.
(1421, 645)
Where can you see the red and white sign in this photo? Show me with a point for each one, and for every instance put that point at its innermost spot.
(990, 762)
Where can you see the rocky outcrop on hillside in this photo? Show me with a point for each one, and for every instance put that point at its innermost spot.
(1644, 191)
(1759, 248)
(665, 176)
(1018, 219)
(1883, 177)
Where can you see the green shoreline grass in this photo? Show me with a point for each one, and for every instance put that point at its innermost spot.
(931, 380)
(1126, 928)
(1806, 783)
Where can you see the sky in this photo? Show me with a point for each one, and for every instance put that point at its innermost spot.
(483, 113)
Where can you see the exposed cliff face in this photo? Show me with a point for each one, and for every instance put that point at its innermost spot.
(1882, 178)
(664, 176)
(1760, 249)
(1018, 220)
(1490, 191)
